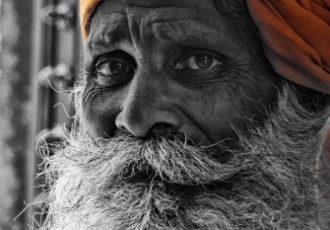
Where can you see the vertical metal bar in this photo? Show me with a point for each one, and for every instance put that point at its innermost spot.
(52, 50)
(49, 59)
(35, 92)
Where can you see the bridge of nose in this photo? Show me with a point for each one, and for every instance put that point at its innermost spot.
(148, 102)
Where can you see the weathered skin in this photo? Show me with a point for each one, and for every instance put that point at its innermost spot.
(167, 91)
(158, 72)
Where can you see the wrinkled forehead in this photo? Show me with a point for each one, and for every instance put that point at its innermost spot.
(161, 7)
(149, 10)
(137, 16)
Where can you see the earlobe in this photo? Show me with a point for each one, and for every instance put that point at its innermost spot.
(323, 176)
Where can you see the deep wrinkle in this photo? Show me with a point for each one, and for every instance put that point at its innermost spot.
(187, 30)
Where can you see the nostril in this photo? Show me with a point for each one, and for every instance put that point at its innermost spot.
(161, 129)
(122, 129)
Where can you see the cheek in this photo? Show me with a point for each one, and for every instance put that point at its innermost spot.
(100, 109)
(220, 109)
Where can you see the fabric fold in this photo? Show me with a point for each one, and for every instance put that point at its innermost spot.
(86, 9)
(296, 39)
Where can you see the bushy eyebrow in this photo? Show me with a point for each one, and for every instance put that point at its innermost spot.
(104, 34)
(174, 29)
(111, 35)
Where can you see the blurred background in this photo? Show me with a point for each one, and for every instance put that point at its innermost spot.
(40, 59)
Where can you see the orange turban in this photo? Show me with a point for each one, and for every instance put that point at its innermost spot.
(295, 35)
(296, 39)
(87, 8)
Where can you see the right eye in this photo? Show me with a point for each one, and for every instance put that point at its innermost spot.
(115, 67)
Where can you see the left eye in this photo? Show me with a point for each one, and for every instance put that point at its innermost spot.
(202, 61)
(115, 67)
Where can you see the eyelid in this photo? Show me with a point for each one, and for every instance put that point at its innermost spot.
(118, 55)
(190, 54)
(196, 51)
(103, 61)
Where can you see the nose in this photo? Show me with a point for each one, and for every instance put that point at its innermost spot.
(148, 108)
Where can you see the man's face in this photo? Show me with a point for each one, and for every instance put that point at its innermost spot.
(174, 67)
(159, 73)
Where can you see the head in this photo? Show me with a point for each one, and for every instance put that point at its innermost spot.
(184, 125)
(181, 67)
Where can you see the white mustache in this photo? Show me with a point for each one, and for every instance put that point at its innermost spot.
(172, 160)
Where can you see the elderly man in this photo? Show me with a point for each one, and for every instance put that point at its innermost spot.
(196, 114)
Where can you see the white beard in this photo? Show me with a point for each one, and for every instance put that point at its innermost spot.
(267, 182)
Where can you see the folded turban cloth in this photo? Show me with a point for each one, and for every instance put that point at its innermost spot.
(295, 36)
(87, 8)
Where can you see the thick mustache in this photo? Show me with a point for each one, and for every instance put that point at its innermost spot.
(170, 159)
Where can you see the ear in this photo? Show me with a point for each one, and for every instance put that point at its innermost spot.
(323, 176)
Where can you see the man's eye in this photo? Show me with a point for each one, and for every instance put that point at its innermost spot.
(114, 67)
(201, 61)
